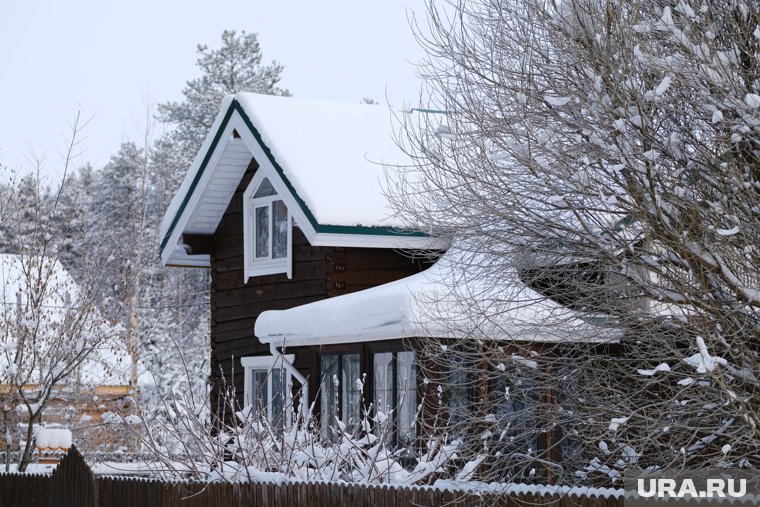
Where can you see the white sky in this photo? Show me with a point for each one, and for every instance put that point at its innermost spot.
(110, 59)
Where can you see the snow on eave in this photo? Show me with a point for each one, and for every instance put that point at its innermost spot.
(423, 305)
(316, 150)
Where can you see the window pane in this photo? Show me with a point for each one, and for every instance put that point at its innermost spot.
(514, 399)
(258, 393)
(406, 380)
(352, 395)
(265, 189)
(457, 387)
(279, 398)
(383, 395)
(262, 231)
(328, 394)
(279, 230)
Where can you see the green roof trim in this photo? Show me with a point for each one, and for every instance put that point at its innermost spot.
(429, 111)
(198, 176)
(319, 228)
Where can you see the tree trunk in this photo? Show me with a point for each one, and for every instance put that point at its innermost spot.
(26, 457)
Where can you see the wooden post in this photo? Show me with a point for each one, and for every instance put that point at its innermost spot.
(73, 483)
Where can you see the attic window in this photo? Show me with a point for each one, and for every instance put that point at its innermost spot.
(235, 134)
(268, 232)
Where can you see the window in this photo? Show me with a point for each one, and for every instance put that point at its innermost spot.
(268, 232)
(267, 388)
(517, 400)
(395, 395)
(340, 393)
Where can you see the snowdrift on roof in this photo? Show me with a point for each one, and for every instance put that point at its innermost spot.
(333, 155)
(444, 301)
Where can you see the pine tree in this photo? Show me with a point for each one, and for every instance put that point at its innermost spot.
(176, 301)
(236, 66)
(68, 217)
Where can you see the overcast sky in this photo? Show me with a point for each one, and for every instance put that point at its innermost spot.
(109, 59)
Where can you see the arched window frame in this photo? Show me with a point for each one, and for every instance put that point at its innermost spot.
(266, 265)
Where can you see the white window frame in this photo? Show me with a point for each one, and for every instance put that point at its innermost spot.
(265, 265)
(267, 364)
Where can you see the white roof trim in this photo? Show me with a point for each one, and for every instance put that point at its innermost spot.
(191, 192)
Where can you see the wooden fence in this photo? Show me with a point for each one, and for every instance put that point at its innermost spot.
(72, 483)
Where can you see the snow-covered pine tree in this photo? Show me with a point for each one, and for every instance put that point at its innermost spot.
(68, 216)
(121, 232)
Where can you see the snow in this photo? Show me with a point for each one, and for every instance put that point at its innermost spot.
(662, 87)
(333, 155)
(703, 361)
(431, 304)
(529, 363)
(14, 281)
(329, 149)
(33, 468)
(557, 101)
(53, 438)
(528, 489)
(106, 365)
(752, 100)
(616, 422)
(652, 155)
(728, 232)
(660, 367)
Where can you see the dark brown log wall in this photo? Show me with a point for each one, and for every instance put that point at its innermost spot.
(318, 273)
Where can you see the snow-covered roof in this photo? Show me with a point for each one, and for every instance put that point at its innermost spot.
(106, 365)
(329, 157)
(443, 301)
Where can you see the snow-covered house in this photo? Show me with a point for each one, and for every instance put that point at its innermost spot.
(284, 203)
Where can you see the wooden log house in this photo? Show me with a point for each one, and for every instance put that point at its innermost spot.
(310, 269)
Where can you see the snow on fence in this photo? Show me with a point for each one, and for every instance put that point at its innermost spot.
(73, 483)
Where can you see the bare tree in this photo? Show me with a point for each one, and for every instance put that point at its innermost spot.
(598, 158)
(50, 327)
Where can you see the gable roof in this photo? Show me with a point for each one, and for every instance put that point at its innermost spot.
(327, 160)
(448, 300)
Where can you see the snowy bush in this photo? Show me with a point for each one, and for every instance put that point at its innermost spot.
(248, 447)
